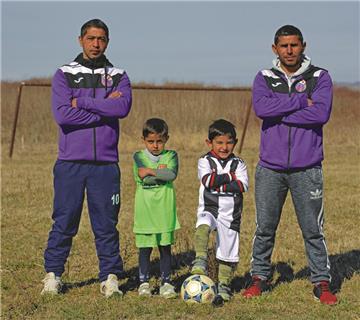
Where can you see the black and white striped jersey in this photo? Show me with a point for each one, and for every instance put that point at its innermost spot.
(221, 188)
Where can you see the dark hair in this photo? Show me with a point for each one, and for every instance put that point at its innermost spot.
(94, 23)
(155, 125)
(221, 127)
(288, 30)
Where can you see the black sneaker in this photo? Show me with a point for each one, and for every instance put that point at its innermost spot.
(224, 292)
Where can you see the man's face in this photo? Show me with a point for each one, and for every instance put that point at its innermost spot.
(155, 143)
(290, 50)
(94, 43)
(222, 146)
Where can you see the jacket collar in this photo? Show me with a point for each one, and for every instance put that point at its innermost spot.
(305, 65)
(152, 157)
(213, 154)
(100, 62)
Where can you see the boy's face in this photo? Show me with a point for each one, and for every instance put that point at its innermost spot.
(155, 143)
(223, 146)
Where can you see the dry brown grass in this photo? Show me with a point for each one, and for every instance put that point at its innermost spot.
(27, 204)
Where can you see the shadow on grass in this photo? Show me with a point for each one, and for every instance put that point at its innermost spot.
(178, 262)
(68, 286)
(343, 266)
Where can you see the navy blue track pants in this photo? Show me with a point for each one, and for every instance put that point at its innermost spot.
(102, 185)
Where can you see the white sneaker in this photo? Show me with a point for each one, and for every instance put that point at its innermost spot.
(52, 284)
(110, 287)
(144, 290)
(167, 291)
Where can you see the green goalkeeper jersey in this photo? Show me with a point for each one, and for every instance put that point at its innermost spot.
(155, 203)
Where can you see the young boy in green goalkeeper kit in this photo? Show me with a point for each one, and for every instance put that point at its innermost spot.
(155, 219)
(223, 179)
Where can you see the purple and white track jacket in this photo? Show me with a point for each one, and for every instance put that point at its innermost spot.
(90, 132)
(291, 134)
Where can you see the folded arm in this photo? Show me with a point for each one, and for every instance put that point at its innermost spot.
(266, 105)
(240, 181)
(236, 181)
(64, 113)
(114, 106)
(319, 108)
(157, 176)
(160, 175)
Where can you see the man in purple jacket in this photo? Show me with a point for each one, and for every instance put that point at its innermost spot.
(294, 100)
(89, 96)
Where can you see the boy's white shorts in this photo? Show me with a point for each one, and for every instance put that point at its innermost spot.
(227, 240)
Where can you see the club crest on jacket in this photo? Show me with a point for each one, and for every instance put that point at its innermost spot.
(300, 86)
(108, 82)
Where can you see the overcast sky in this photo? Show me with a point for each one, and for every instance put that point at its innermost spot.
(215, 42)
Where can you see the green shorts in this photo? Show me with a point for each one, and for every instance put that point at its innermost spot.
(154, 239)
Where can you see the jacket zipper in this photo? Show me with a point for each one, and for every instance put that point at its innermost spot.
(94, 129)
(288, 162)
(289, 143)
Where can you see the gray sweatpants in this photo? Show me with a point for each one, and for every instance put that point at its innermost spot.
(306, 188)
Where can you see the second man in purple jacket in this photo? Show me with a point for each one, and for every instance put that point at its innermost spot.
(294, 100)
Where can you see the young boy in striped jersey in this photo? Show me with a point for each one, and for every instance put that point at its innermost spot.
(155, 221)
(223, 179)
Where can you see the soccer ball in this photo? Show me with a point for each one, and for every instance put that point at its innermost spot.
(198, 289)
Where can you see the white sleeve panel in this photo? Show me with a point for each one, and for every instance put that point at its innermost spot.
(241, 174)
(203, 168)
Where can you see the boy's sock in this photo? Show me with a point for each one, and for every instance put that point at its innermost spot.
(144, 264)
(201, 240)
(165, 263)
(225, 272)
(224, 276)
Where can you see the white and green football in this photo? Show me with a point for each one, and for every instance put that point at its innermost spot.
(198, 289)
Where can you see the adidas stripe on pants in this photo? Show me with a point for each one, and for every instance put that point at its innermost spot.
(306, 188)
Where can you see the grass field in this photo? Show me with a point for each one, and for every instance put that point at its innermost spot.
(26, 200)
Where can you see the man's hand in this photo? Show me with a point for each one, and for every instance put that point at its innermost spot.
(310, 102)
(143, 172)
(115, 94)
(112, 95)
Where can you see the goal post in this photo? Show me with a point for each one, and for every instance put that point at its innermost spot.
(139, 87)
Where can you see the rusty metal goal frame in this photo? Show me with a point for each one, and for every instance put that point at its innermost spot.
(137, 87)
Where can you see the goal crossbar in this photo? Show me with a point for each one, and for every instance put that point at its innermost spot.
(140, 87)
